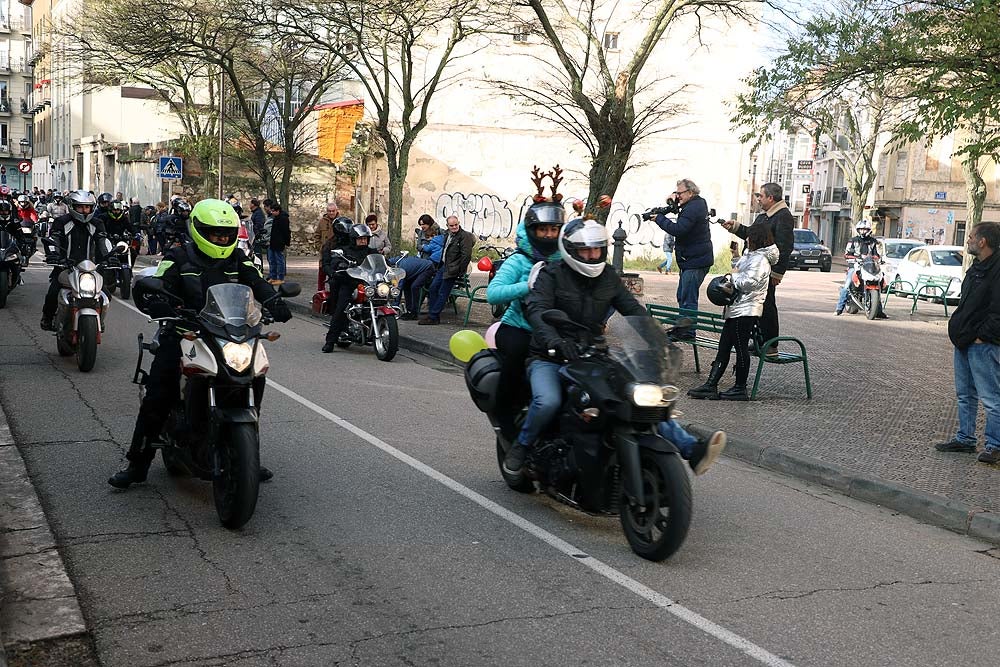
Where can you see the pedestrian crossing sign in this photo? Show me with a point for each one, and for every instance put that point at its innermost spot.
(171, 168)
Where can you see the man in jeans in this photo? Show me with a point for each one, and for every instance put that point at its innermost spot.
(693, 244)
(974, 330)
(281, 236)
(455, 260)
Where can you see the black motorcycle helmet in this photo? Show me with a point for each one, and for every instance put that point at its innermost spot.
(182, 208)
(342, 229)
(720, 291)
(544, 213)
(360, 231)
(116, 210)
(104, 201)
(5, 210)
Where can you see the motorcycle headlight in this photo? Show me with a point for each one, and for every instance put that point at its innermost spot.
(383, 290)
(237, 355)
(647, 395)
(88, 285)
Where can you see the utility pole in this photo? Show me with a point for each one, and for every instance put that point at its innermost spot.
(222, 126)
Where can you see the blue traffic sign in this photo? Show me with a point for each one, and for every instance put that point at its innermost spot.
(171, 168)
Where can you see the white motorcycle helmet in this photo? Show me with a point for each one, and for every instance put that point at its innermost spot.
(578, 234)
(863, 228)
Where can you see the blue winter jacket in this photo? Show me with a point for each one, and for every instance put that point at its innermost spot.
(433, 249)
(510, 284)
(694, 238)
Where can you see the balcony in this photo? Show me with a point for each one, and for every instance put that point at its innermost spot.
(26, 105)
(6, 105)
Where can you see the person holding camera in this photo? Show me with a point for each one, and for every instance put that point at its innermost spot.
(692, 241)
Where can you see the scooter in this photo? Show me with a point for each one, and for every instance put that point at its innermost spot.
(864, 293)
(602, 454)
(213, 434)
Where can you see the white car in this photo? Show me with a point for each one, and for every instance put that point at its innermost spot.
(932, 260)
(894, 251)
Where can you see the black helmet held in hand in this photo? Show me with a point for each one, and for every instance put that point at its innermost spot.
(342, 229)
(720, 291)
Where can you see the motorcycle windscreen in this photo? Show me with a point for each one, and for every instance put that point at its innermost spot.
(640, 344)
(374, 269)
(231, 307)
(869, 265)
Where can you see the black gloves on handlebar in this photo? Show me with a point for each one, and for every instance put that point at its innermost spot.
(279, 310)
(566, 349)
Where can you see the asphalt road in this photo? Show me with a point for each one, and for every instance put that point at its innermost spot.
(388, 538)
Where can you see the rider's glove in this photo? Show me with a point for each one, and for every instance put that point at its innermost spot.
(566, 349)
(279, 310)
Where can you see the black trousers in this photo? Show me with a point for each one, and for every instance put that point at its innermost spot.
(513, 344)
(769, 319)
(52, 296)
(340, 297)
(737, 333)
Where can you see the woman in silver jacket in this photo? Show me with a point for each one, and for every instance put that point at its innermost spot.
(750, 279)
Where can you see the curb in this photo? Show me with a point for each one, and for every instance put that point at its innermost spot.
(40, 620)
(928, 508)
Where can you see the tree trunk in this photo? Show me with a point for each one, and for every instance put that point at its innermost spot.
(398, 162)
(606, 171)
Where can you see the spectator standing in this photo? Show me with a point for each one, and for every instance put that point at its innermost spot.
(693, 244)
(324, 228)
(379, 241)
(974, 330)
(257, 219)
(777, 215)
(455, 259)
(668, 250)
(281, 236)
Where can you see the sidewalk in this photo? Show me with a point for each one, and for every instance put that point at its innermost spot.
(883, 395)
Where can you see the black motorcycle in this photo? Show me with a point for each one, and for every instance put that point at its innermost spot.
(371, 315)
(120, 277)
(602, 454)
(213, 433)
(12, 263)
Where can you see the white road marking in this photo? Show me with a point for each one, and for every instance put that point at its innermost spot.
(683, 613)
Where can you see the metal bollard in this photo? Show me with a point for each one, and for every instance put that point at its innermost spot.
(618, 258)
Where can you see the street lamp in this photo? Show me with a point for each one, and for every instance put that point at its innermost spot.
(25, 147)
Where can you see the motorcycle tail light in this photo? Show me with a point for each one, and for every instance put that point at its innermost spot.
(360, 296)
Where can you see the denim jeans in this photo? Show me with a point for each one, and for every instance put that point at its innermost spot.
(977, 379)
(437, 295)
(676, 434)
(844, 290)
(546, 399)
(275, 264)
(689, 286)
(668, 261)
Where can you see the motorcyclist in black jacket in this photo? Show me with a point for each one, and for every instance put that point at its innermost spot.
(77, 236)
(861, 245)
(335, 261)
(583, 287)
(210, 258)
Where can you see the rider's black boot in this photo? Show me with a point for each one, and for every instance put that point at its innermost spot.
(710, 389)
(139, 456)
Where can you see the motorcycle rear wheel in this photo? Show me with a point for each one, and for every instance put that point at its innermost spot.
(235, 491)
(4, 287)
(387, 339)
(852, 307)
(86, 343)
(498, 311)
(658, 531)
(518, 483)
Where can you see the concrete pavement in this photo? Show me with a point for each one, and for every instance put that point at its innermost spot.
(883, 395)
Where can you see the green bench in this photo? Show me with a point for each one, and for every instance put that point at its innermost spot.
(707, 328)
(462, 290)
(927, 287)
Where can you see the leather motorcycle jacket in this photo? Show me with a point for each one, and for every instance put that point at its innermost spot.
(860, 246)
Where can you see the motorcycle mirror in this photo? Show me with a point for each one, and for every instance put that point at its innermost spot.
(289, 289)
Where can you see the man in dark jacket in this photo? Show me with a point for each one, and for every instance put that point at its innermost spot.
(974, 330)
(281, 236)
(693, 245)
(782, 223)
(454, 264)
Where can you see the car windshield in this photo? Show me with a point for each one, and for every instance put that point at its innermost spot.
(639, 343)
(899, 250)
(947, 257)
(232, 307)
(806, 236)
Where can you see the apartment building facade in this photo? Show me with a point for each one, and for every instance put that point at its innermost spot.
(16, 94)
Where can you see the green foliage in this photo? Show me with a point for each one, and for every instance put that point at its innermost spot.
(643, 262)
(723, 262)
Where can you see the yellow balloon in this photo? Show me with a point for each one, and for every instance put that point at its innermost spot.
(466, 343)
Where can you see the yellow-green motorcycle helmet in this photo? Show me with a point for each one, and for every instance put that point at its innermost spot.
(214, 228)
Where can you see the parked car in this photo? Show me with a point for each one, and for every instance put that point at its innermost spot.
(809, 252)
(895, 250)
(932, 260)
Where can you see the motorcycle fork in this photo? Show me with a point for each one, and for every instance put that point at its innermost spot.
(627, 448)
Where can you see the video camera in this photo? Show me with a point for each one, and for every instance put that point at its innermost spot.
(671, 208)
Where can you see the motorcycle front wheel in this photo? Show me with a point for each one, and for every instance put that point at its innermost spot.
(873, 301)
(4, 287)
(235, 490)
(386, 338)
(656, 532)
(125, 284)
(86, 343)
